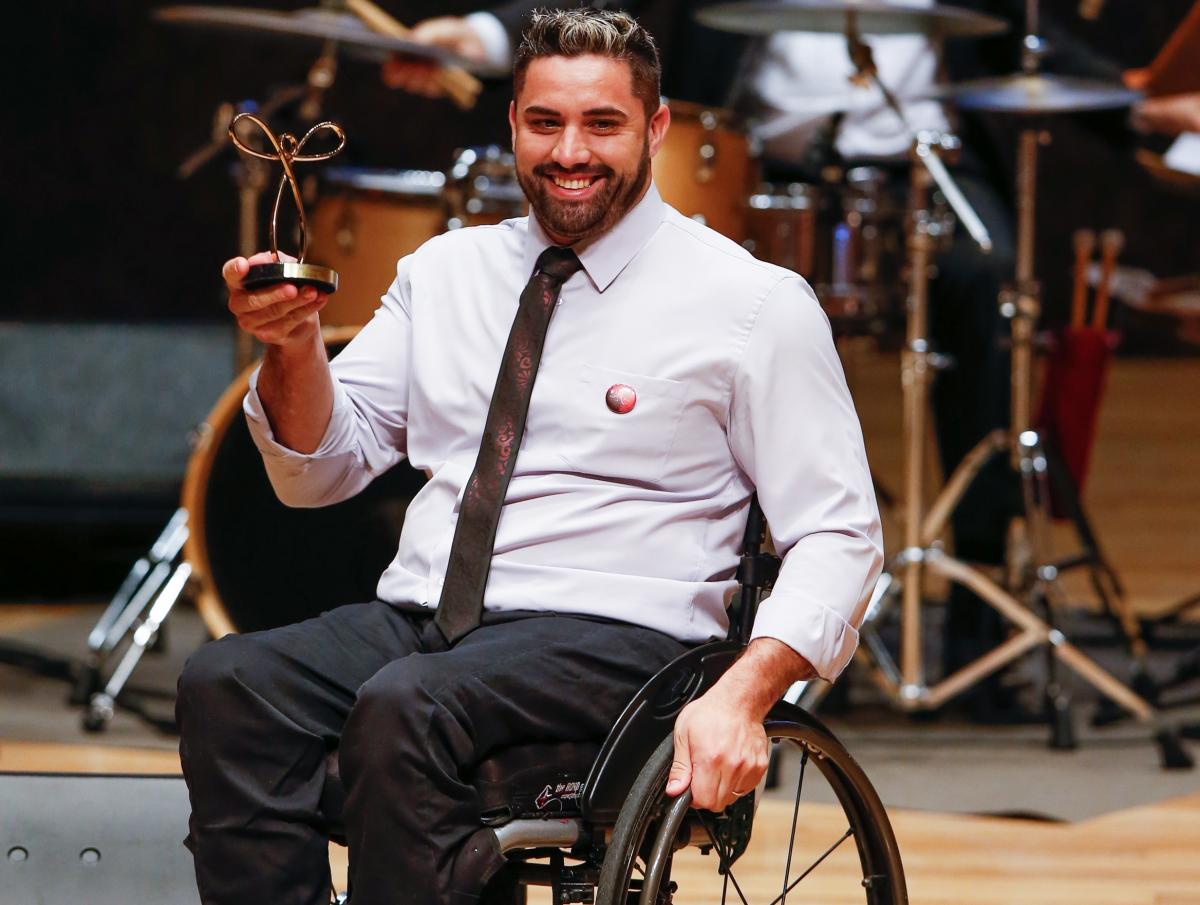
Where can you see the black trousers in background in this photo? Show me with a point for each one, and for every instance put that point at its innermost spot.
(258, 714)
(970, 400)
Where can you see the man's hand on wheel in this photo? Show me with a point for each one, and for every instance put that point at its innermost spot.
(278, 315)
(721, 752)
(721, 749)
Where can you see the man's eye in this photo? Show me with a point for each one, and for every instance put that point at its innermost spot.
(545, 123)
(604, 125)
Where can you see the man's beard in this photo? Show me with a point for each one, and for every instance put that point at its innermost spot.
(578, 220)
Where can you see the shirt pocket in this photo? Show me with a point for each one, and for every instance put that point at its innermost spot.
(633, 446)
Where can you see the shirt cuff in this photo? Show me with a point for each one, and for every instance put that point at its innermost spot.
(815, 632)
(496, 46)
(264, 437)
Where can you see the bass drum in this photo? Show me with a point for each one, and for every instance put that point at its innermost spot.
(368, 219)
(260, 564)
(705, 168)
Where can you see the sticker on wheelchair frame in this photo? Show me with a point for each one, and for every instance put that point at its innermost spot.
(558, 795)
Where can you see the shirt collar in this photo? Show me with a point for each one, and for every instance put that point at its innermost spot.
(604, 257)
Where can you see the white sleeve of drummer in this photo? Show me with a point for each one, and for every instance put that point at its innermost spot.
(367, 432)
(794, 431)
(496, 45)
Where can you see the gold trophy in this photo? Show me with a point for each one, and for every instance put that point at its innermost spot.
(288, 151)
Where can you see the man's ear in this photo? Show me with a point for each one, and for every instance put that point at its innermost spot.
(512, 122)
(656, 129)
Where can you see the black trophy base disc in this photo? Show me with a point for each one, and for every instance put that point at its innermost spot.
(324, 279)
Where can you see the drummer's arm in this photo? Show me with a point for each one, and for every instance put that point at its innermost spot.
(487, 37)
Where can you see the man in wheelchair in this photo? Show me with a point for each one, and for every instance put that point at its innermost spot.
(676, 376)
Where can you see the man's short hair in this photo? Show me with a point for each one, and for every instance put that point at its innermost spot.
(581, 32)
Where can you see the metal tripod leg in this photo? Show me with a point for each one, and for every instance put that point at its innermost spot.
(105, 635)
(102, 705)
(145, 578)
(1101, 574)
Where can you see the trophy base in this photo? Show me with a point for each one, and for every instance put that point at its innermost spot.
(324, 279)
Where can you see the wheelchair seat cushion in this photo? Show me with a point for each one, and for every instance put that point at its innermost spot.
(524, 781)
(534, 780)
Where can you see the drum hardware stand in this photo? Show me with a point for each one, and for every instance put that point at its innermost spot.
(252, 175)
(904, 683)
(157, 580)
(154, 583)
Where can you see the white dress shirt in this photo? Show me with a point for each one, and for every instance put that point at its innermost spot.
(803, 78)
(638, 516)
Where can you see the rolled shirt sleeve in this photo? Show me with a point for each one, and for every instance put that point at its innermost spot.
(794, 431)
(367, 432)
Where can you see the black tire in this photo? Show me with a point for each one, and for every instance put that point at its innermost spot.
(651, 828)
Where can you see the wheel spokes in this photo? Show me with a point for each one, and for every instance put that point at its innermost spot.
(787, 870)
(726, 865)
(829, 851)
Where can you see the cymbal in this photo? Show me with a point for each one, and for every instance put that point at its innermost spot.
(1039, 93)
(872, 17)
(307, 24)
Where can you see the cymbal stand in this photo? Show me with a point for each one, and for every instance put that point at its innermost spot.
(923, 555)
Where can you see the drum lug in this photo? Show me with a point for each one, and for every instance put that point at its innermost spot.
(346, 233)
(706, 152)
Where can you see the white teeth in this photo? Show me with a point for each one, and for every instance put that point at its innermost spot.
(572, 183)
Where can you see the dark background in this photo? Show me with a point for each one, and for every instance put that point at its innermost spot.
(113, 312)
(104, 105)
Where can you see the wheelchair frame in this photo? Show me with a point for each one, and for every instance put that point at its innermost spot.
(625, 815)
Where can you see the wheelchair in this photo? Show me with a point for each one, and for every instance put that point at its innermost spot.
(593, 822)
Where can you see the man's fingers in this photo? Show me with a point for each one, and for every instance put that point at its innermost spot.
(287, 328)
(254, 318)
(233, 270)
(263, 301)
(413, 77)
(749, 771)
(310, 310)
(680, 776)
(706, 783)
(266, 257)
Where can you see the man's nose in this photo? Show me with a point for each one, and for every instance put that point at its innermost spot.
(572, 150)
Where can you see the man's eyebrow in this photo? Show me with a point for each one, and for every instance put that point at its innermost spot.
(611, 112)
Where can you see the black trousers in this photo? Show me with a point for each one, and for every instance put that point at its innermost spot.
(258, 714)
(970, 400)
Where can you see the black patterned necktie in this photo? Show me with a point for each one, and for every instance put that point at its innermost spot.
(461, 605)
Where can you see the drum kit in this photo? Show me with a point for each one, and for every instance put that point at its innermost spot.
(868, 254)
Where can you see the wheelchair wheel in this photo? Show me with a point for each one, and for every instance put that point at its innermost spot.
(822, 836)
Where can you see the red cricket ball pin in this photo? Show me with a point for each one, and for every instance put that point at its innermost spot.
(620, 398)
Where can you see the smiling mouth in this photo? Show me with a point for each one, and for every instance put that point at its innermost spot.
(574, 182)
(577, 183)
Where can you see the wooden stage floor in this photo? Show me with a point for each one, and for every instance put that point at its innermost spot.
(1144, 495)
(1140, 856)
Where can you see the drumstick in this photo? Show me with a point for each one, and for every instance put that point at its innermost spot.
(458, 83)
(1111, 242)
(1085, 244)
